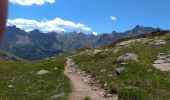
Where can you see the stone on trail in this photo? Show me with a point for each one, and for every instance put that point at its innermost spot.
(102, 93)
(109, 95)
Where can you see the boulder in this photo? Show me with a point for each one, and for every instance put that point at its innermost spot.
(102, 93)
(42, 72)
(109, 95)
(128, 56)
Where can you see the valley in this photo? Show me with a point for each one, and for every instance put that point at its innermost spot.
(84, 50)
(42, 80)
(36, 45)
(122, 70)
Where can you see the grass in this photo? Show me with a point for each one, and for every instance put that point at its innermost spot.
(19, 80)
(30, 86)
(136, 82)
(87, 98)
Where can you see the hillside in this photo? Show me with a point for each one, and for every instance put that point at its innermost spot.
(133, 68)
(33, 80)
(8, 56)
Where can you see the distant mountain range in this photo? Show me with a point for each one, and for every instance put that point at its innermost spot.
(138, 30)
(36, 45)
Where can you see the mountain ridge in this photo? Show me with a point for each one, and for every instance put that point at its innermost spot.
(35, 44)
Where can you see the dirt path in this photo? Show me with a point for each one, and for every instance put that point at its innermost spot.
(80, 89)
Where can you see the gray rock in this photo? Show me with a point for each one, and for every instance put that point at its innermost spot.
(55, 68)
(102, 93)
(158, 61)
(123, 63)
(105, 85)
(167, 60)
(89, 76)
(119, 70)
(42, 72)
(128, 56)
(109, 95)
(57, 95)
(11, 86)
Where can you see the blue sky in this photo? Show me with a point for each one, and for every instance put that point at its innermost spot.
(90, 15)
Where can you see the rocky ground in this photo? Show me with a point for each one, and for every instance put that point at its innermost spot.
(163, 62)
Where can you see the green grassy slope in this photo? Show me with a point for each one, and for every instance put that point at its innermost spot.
(19, 80)
(140, 80)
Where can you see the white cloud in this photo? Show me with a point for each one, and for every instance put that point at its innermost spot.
(113, 18)
(94, 33)
(57, 25)
(31, 2)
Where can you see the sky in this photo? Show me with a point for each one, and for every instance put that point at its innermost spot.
(90, 16)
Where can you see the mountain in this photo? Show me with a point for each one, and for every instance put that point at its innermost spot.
(25, 44)
(36, 45)
(138, 30)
